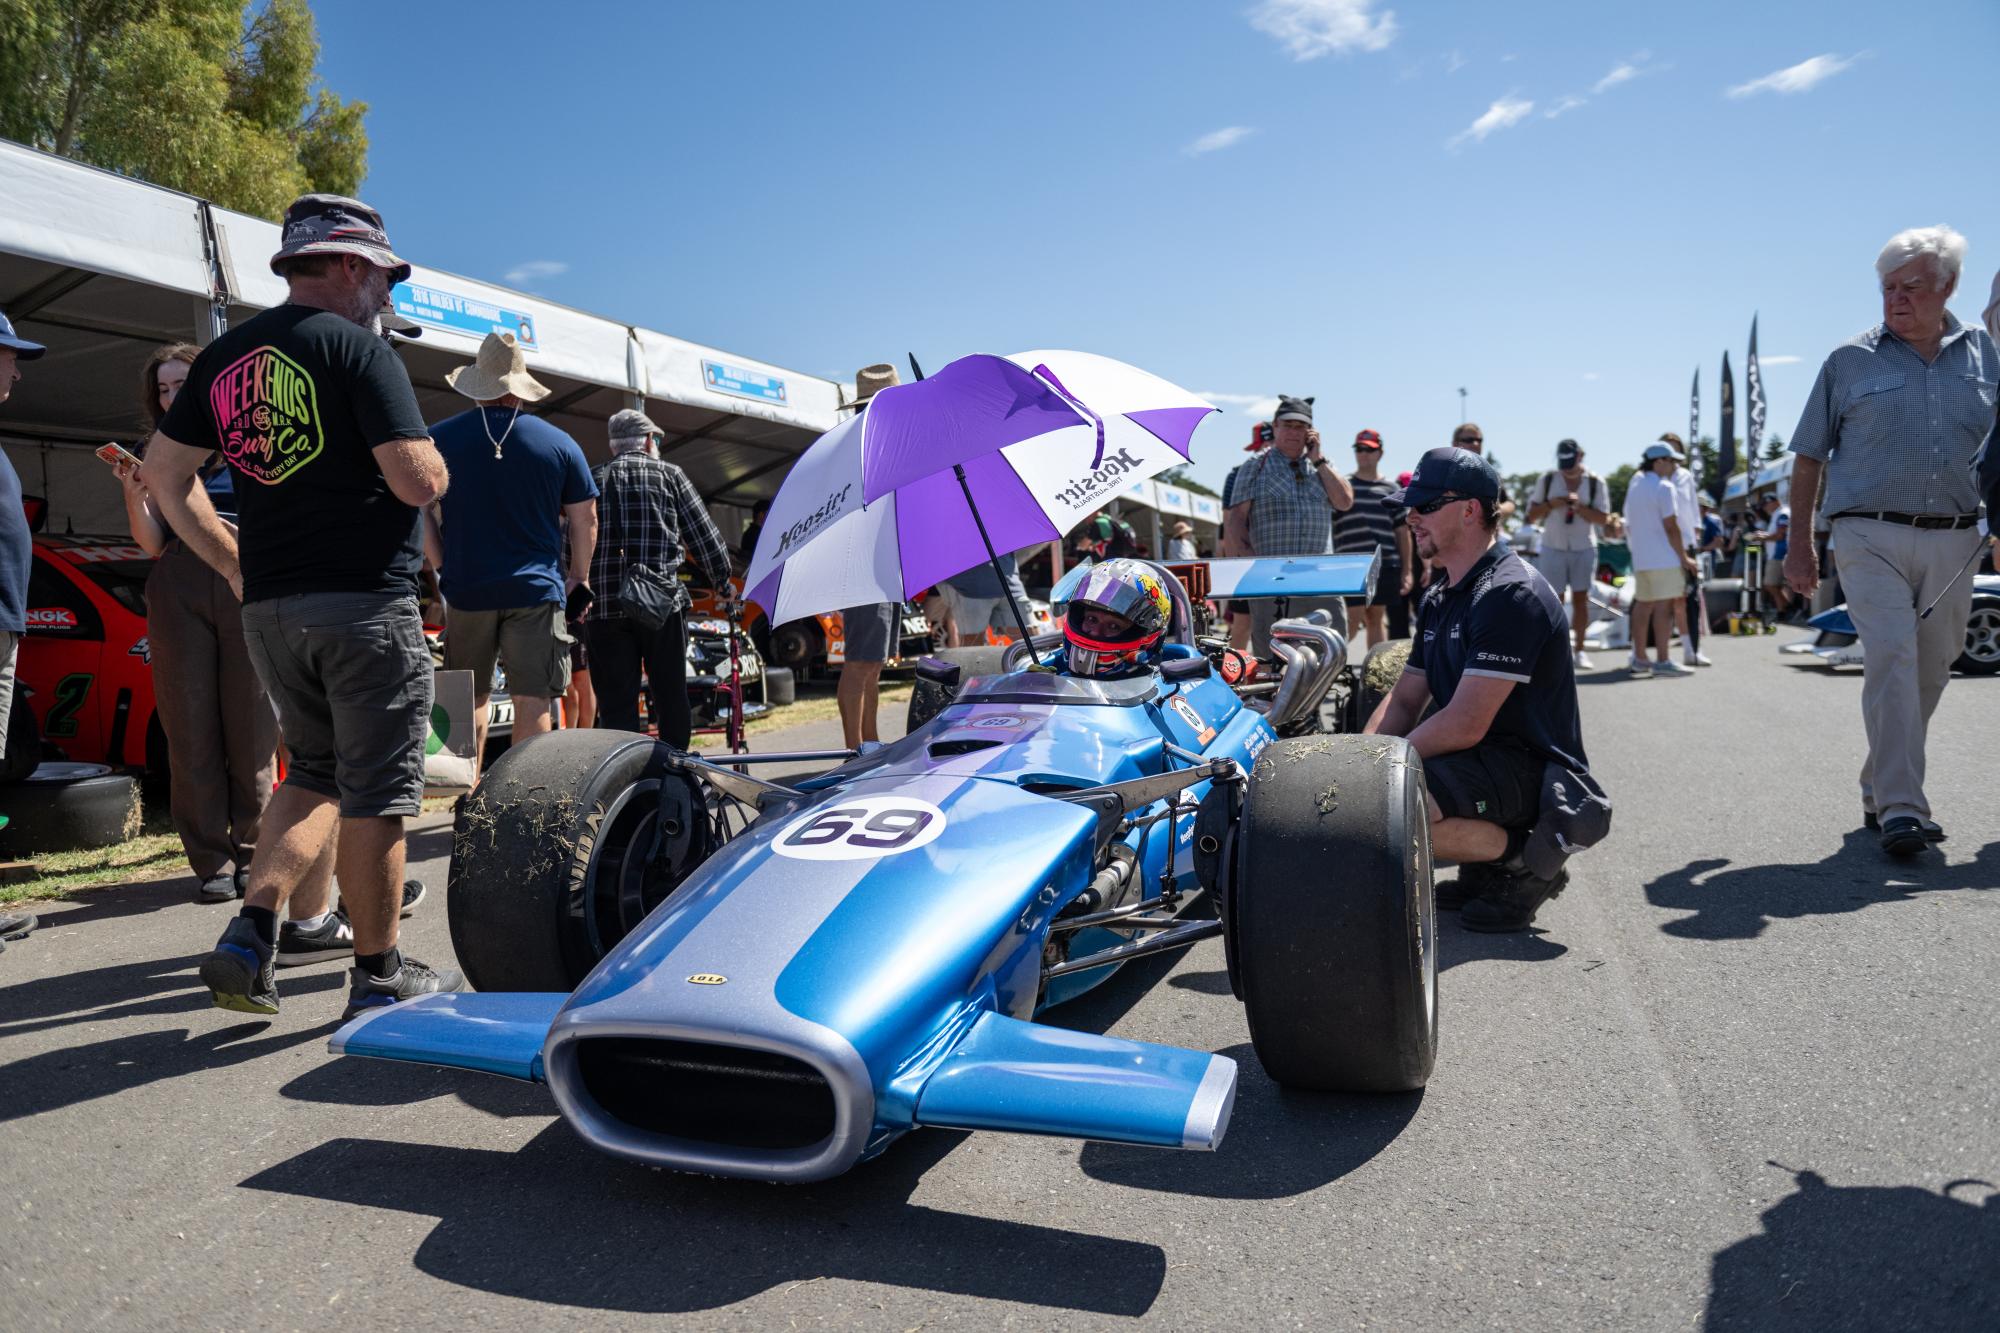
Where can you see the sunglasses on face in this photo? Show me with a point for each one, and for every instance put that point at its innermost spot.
(1439, 503)
(1472, 439)
(1367, 448)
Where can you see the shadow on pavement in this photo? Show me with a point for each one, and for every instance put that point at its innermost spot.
(1458, 945)
(424, 844)
(560, 1223)
(392, 1083)
(1833, 1257)
(1279, 1143)
(1737, 903)
(122, 900)
(64, 1077)
(155, 988)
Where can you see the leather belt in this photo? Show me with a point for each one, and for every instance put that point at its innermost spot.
(1951, 521)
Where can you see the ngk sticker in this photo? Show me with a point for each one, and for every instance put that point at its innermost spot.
(52, 617)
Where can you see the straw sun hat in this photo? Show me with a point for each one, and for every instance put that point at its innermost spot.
(502, 368)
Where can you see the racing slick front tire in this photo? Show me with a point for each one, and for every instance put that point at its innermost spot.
(1331, 922)
(553, 855)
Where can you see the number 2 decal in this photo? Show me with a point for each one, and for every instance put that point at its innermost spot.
(861, 829)
(70, 693)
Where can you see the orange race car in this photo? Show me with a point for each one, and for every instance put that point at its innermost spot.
(805, 644)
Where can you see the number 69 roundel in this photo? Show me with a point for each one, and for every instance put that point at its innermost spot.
(861, 828)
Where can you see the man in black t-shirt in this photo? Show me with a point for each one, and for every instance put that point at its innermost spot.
(1370, 525)
(1492, 651)
(332, 462)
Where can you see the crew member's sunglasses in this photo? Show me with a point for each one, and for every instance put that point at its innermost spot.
(1439, 503)
(1469, 439)
(1362, 447)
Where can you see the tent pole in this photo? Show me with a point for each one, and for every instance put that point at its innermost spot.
(1020, 620)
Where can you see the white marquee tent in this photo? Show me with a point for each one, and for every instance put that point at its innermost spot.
(103, 268)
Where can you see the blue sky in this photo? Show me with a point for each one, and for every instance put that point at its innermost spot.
(1562, 207)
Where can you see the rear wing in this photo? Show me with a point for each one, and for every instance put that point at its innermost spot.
(1289, 576)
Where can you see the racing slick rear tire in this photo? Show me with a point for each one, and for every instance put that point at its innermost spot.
(553, 855)
(1331, 920)
(63, 807)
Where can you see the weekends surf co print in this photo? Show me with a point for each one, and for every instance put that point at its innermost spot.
(267, 409)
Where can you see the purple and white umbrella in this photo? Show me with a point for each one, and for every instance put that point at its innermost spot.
(874, 511)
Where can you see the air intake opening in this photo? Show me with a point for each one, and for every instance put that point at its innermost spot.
(725, 1095)
(960, 745)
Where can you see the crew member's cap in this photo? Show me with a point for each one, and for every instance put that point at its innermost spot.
(502, 368)
(1293, 409)
(1655, 452)
(631, 427)
(332, 224)
(871, 380)
(1448, 470)
(1567, 452)
(23, 349)
(1368, 439)
(1259, 438)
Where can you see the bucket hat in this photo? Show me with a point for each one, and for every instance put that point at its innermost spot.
(502, 368)
(333, 224)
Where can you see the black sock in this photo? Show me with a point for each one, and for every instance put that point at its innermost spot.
(264, 922)
(380, 966)
(1517, 842)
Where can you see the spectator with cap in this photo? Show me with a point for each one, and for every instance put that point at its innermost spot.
(1892, 425)
(1689, 616)
(1570, 502)
(1660, 562)
(517, 483)
(316, 416)
(1180, 542)
(1366, 526)
(868, 633)
(1776, 536)
(222, 734)
(1236, 610)
(1283, 504)
(1492, 653)
(16, 558)
(649, 514)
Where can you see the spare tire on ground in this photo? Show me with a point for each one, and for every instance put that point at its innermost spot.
(64, 807)
(781, 686)
(1380, 671)
(1332, 929)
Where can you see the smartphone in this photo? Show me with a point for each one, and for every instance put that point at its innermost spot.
(114, 454)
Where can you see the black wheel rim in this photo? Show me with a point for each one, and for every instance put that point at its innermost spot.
(622, 883)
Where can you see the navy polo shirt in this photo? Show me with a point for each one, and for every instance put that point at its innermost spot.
(503, 542)
(1503, 620)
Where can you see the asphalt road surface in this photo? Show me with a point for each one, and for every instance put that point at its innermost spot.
(1741, 1076)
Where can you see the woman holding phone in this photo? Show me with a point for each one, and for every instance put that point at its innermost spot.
(222, 734)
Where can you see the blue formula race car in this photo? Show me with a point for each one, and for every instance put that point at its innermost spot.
(719, 971)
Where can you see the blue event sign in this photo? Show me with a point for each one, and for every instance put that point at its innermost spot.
(741, 383)
(441, 309)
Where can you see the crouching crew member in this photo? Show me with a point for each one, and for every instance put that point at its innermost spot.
(1509, 792)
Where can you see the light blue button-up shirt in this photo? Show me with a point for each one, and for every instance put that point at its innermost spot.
(1897, 434)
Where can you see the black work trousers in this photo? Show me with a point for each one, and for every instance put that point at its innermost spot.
(618, 649)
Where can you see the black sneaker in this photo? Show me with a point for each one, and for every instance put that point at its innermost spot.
(1473, 880)
(411, 980)
(332, 938)
(240, 973)
(413, 894)
(220, 887)
(1873, 823)
(1511, 903)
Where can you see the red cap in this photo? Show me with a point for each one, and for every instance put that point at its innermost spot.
(1371, 437)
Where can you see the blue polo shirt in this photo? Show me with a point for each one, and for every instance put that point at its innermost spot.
(1503, 620)
(503, 516)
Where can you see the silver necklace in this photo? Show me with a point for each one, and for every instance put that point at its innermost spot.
(503, 434)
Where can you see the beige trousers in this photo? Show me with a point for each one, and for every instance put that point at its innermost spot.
(1890, 573)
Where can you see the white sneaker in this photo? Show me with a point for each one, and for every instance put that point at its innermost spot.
(1639, 666)
(1582, 660)
(1671, 668)
(1696, 657)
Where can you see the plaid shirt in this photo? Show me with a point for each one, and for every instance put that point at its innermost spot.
(648, 514)
(1289, 511)
(1898, 434)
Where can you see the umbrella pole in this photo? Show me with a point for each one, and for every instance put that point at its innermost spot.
(1020, 620)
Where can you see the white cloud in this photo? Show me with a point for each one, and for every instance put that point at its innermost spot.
(1799, 78)
(1453, 63)
(1619, 74)
(534, 270)
(1309, 29)
(1564, 104)
(1216, 140)
(1256, 405)
(1506, 112)
(1779, 360)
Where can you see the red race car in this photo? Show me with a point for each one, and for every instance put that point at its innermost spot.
(84, 663)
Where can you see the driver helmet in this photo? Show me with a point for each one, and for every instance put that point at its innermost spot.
(1117, 618)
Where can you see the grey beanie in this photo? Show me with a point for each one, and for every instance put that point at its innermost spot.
(630, 428)
(1293, 409)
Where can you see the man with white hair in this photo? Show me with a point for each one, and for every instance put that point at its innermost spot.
(1892, 424)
